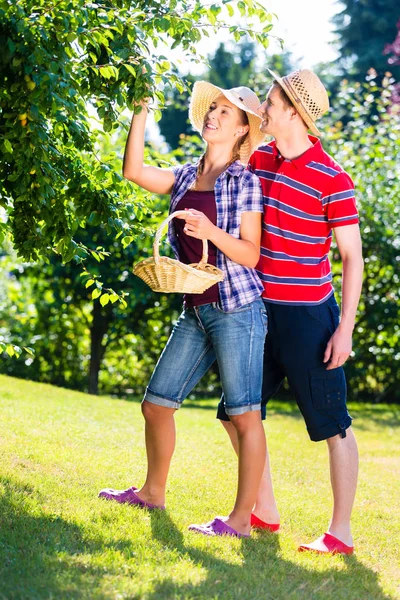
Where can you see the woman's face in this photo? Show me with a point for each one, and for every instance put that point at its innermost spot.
(222, 122)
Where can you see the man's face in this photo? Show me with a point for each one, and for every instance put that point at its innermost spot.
(276, 114)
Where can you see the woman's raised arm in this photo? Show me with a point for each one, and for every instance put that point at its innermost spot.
(153, 179)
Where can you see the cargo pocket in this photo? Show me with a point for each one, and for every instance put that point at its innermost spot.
(328, 388)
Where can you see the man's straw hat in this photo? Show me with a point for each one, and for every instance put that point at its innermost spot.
(307, 94)
(204, 93)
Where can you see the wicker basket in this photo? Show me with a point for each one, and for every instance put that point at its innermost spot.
(168, 275)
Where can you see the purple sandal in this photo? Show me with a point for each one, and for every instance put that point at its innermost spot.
(127, 497)
(217, 527)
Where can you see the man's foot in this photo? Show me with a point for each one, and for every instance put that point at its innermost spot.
(257, 523)
(327, 544)
(128, 496)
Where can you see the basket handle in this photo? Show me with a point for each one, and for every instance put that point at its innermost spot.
(159, 233)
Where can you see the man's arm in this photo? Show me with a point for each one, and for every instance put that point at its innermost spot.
(349, 244)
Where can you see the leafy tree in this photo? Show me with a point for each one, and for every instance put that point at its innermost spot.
(364, 28)
(57, 60)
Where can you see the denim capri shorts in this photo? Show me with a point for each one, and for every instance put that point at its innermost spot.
(202, 335)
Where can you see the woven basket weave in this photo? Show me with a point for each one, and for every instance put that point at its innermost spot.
(168, 275)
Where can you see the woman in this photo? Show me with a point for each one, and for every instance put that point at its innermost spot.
(227, 322)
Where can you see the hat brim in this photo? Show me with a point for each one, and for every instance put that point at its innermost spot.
(297, 103)
(204, 93)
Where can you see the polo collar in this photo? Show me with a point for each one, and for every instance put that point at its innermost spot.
(313, 153)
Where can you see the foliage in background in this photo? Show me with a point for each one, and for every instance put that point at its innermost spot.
(364, 28)
(369, 149)
(393, 52)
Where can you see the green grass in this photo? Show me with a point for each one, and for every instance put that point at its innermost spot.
(57, 540)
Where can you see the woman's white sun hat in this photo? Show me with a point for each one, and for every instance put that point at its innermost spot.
(204, 93)
(307, 93)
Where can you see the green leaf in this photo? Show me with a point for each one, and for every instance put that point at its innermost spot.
(106, 72)
(29, 350)
(8, 147)
(126, 240)
(130, 69)
(96, 293)
(89, 283)
(104, 299)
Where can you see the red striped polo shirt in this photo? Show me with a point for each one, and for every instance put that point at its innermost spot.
(304, 199)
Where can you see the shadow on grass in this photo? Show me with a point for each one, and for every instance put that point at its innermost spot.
(262, 574)
(43, 557)
(46, 557)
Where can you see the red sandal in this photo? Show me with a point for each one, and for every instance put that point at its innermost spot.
(256, 523)
(327, 544)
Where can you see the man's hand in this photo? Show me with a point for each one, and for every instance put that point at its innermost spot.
(339, 348)
(198, 225)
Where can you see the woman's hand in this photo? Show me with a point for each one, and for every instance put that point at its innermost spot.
(144, 104)
(198, 225)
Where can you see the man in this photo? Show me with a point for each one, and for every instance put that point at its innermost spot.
(307, 195)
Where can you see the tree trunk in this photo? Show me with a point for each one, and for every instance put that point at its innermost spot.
(102, 318)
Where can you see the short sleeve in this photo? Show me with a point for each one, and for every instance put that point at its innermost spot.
(339, 204)
(251, 194)
(179, 172)
(177, 169)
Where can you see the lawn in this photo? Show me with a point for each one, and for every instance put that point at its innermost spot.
(58, 540)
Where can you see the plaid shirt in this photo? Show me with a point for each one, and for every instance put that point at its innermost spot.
(236, 191)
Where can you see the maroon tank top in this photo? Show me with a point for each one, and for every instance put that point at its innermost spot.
(190, 248)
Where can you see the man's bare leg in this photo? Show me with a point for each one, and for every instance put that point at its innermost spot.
(343, 460)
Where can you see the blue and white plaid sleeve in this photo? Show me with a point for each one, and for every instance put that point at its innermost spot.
(251, 194)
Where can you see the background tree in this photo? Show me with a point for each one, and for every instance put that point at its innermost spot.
(369, 148)
(364, 28)
(393, 55)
